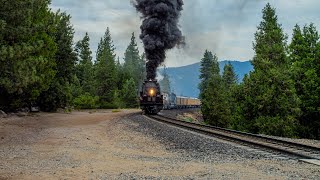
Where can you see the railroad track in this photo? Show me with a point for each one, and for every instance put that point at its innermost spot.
(302, 151)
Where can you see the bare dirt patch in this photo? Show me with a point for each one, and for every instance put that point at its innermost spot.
(57, 145)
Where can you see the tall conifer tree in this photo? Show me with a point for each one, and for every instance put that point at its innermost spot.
(271, 98)
(134, 65)
(129, 95)
(59, 94)
(27, 51)
(303, 56)
(105, 74)
(84, 68)
(229, 80)
(214, 103)
(206, 64)
(229, 76)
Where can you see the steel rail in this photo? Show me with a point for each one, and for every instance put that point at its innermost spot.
(287, 147)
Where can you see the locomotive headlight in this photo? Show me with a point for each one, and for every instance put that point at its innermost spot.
(152, 92)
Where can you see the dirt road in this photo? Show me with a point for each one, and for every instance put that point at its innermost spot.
(61, 145)
(93, 145)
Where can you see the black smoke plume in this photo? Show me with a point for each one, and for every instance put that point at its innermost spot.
(159, 30)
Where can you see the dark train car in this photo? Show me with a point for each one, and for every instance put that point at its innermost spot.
(151, 100)
(180, 102)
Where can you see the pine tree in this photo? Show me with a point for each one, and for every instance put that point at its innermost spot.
(65, 56)
(229, 80)
(271, 102)
(229, 76)
(129, 94)
(214, 104)
(120, 74)
(303, 56)
(59, 94)
(27, 52)
(105, 74)
(206, 64)
(134, 65)
(270, 42)
(84, 68)
(243, 116)
(133, 68)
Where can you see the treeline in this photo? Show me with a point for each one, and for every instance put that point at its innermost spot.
(281, 96)
(106, 83)
(41, 67)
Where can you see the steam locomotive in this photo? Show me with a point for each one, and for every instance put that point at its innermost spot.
(151, 99)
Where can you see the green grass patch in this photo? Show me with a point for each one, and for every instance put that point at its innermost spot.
(116, 110)
(188, 119)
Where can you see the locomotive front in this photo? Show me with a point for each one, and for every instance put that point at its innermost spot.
(151, 100)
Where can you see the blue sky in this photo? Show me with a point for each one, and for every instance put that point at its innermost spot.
(225, 27)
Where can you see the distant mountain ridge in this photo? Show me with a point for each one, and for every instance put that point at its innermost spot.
(185, 79)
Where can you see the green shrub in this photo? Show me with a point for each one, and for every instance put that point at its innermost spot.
(86, 101)
(277, 126)
(188, 119)
(107, 105)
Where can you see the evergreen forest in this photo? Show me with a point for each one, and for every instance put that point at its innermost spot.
(281, 96)
(41, 66)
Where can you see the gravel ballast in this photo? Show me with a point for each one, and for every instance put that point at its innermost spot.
(191, 146)
(196, 114)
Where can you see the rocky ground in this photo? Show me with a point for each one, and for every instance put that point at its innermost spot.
(126, 145)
